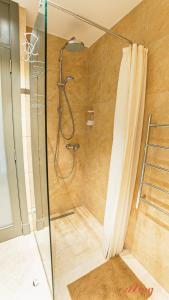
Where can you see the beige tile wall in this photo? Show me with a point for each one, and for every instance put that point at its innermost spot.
(103, 75)
(66, 194)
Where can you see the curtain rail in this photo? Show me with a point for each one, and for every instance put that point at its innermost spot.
(87, 21)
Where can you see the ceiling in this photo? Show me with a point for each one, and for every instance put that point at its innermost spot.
(106, 13)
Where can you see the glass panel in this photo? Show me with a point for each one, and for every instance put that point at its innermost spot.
(5, 211)
(37, 49)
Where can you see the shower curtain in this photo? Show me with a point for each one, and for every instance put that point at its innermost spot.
(126, 146)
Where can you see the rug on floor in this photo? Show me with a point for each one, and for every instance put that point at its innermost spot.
(111, 281)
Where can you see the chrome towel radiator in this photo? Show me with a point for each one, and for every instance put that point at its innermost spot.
(145, 164)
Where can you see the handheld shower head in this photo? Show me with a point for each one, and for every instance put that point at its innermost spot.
(67, 79)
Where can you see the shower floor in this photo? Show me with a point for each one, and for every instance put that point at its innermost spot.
(77, 247)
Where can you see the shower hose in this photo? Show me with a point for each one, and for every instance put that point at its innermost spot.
(60, 132)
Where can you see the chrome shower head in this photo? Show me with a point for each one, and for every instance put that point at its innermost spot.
(74, 45)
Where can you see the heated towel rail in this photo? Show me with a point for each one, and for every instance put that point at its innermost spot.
(145, 164)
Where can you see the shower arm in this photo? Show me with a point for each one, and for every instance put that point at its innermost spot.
(85, 20)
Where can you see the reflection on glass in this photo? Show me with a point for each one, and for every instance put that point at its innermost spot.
(5, 211)
(38, 128)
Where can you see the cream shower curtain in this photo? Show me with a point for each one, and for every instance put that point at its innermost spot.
(126, 146)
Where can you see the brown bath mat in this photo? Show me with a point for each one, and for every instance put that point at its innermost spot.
(111, 281)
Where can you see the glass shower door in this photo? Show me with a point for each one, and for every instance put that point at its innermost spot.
(37, 59)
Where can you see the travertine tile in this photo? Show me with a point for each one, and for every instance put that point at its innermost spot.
(77, 248)
(145, 277)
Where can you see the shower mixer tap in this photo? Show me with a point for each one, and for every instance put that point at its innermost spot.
(60, 84)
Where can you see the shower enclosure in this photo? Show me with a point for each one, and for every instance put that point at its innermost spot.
(81, 94)
(72, 130)
(84, 101)
(84, 104)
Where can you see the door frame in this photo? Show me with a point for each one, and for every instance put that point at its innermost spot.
(14, 47)
(16, 99)
(14, 229)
